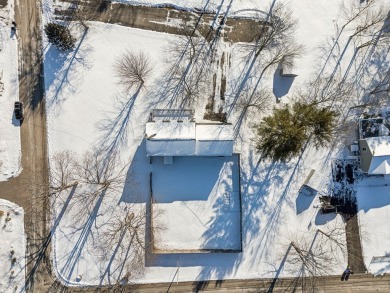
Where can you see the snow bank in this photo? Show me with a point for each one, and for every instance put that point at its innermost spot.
(12, 247)
(10, 149)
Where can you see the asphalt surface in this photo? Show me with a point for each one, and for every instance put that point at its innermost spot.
(169, 20)
(29, 190)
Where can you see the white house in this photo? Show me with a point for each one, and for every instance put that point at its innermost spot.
(375, 155)
(180, 135)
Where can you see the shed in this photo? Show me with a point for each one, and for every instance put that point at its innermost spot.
(287, 66)
(187, 138)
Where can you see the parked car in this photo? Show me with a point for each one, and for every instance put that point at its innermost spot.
(18, 109)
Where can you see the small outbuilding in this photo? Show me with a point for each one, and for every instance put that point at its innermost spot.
(179, 135)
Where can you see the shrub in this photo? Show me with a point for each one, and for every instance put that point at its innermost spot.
(60, 36)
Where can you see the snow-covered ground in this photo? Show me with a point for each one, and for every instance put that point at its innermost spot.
(272, 212)
(201, 193)
(9, 126)
(373, 195)
(83, 102)
(12, 247)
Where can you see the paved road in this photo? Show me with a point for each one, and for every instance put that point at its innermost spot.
(28, 189)
(357, 283)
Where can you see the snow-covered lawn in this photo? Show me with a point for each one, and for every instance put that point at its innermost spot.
(9, 93)
(197, 192)
(87, 109)
(81, 91)
(12, 247)
(373, 197)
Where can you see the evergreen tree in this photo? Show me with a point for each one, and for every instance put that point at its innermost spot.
(60, 36)
(283, 135)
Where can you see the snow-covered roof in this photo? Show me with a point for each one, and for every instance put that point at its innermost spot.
(379, 146)
(380, 165)
(214, 132)
(188, 139)
(170, 130)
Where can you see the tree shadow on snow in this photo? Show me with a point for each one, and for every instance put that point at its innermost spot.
(322, 219)
(137, 183)
(40, 257)
(62, 73)
(72, 259)
(115, 128)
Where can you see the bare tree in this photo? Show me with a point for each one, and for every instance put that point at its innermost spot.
(132, 69)
(84, 11)
(187, 85)
(63, 175)
(1, 83)
(259, 102)
(274, 43)
(316, 255)
(189, 61)
(124, 239)
(279, 27)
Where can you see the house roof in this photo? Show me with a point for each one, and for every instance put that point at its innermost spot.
(379, 146)
(214, 132)
(188, 138)
(380, 165)
(170, 130)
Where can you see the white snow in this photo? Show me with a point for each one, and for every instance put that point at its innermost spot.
(10, 149)
(170, 130)
(379, 146)
(173, 138)
(379, 165)
(12, 247)
(197, 192)
(373, 195)
(83, 97)
(214, 132)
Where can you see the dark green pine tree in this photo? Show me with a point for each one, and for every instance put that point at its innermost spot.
(283, 135)
(60, 36)
(280, 137)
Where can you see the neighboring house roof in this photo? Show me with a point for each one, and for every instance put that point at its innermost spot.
(379, 155)
(380, 165)
(379, 146)
(188, 138)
